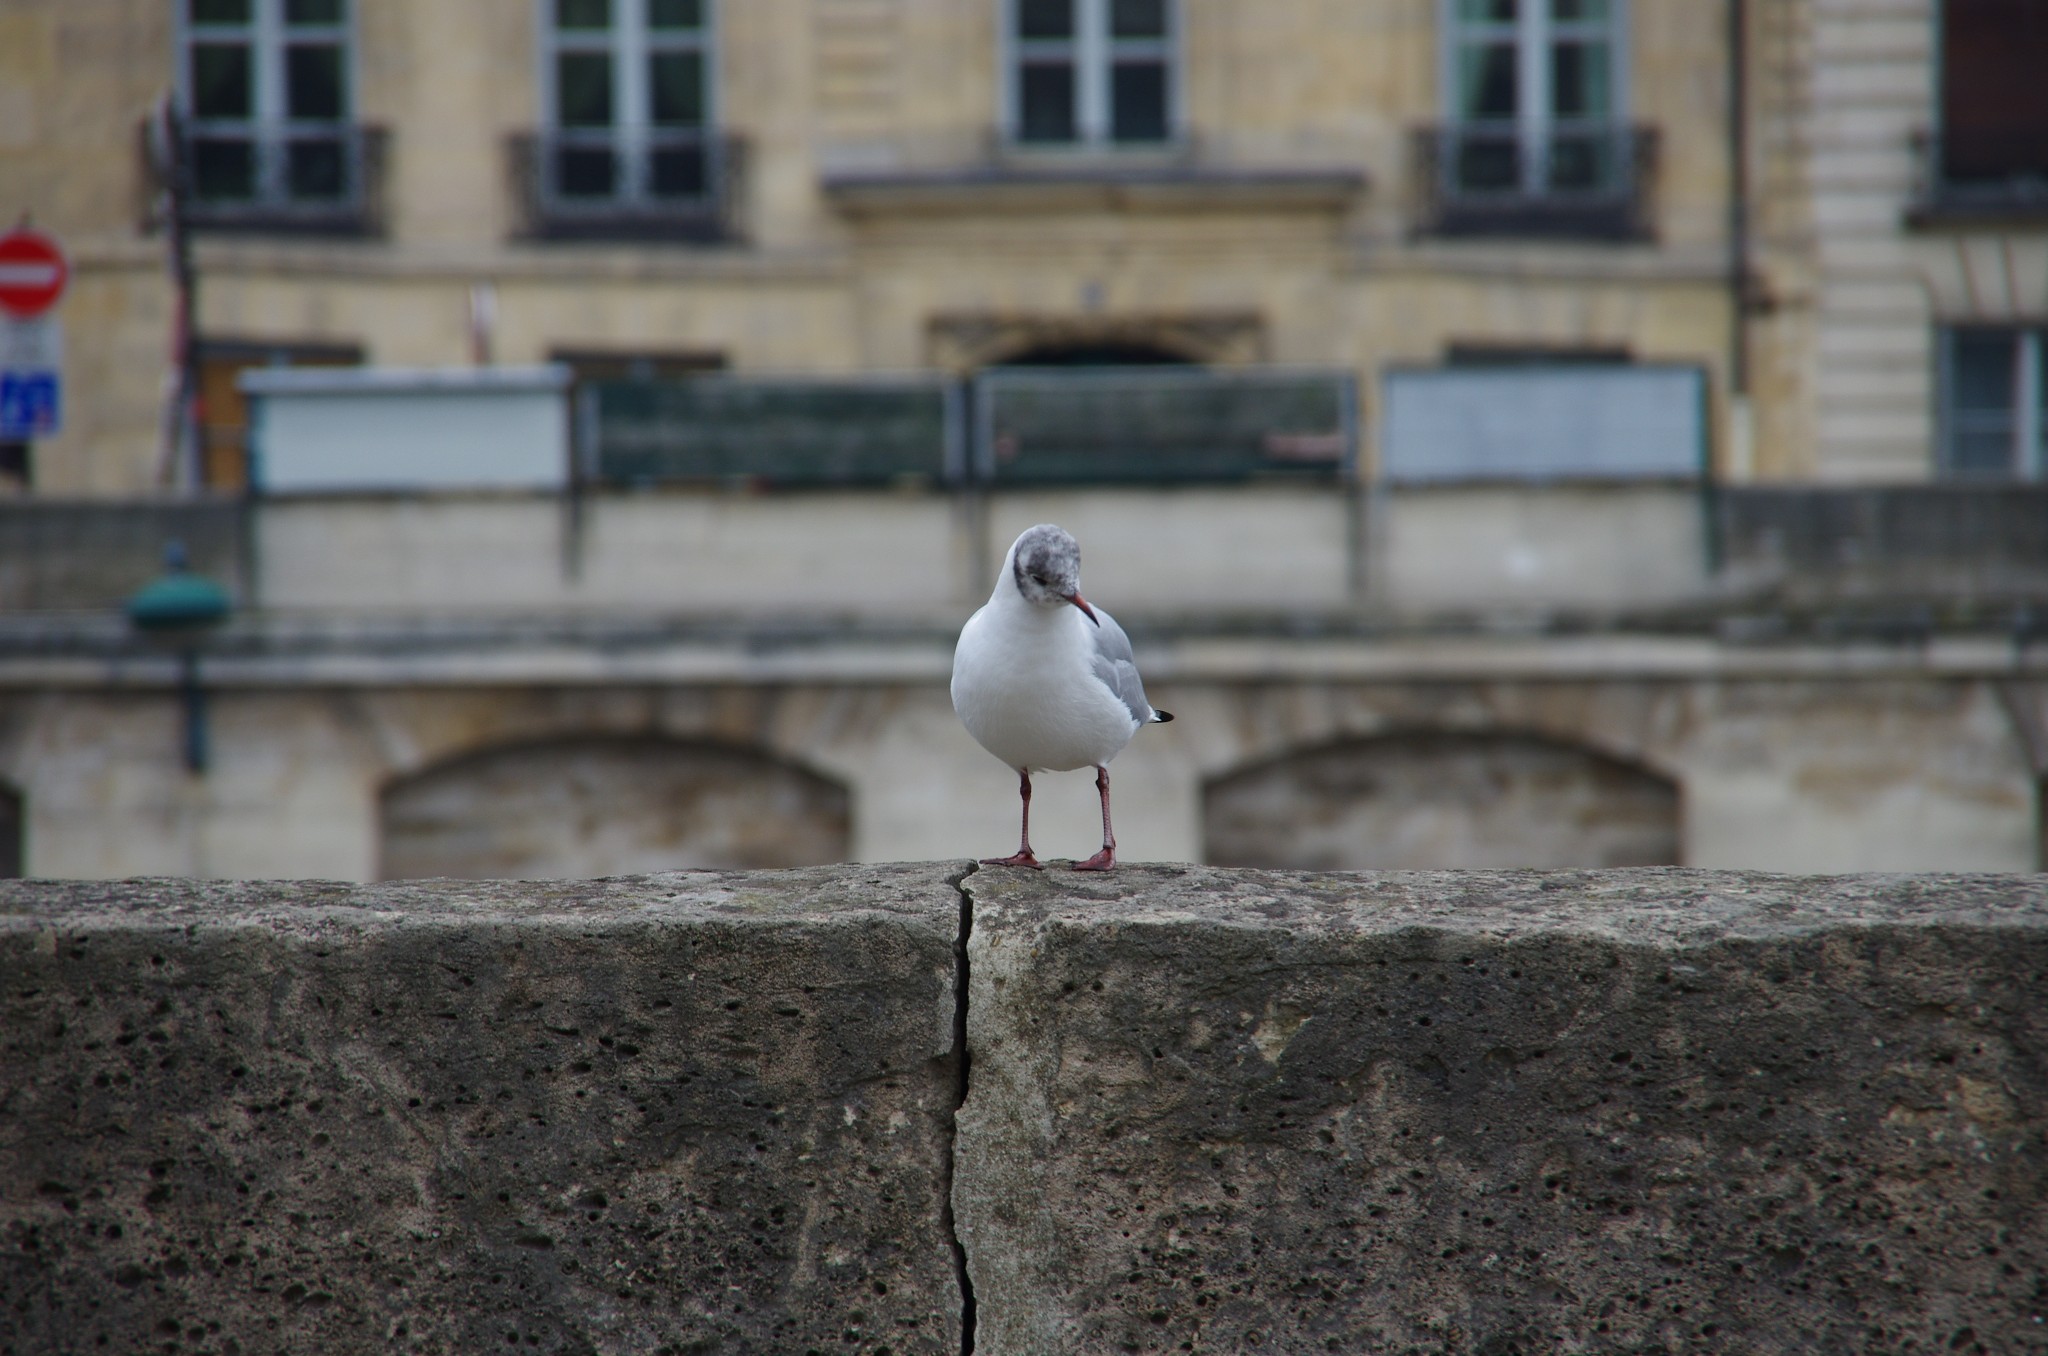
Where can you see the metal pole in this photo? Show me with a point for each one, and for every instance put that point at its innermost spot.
(194, 698)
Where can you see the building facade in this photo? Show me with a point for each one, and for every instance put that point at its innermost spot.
(1682, 369)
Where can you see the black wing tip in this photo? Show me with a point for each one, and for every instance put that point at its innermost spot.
(1161, 717)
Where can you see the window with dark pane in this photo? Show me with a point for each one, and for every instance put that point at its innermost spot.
(583, 89)
(583, 14)
(1489, 81)
(313, 82)
(312, 13)
(223, 80)
(675, 89)
(1996, 388)
(316, 169)
(1045, 19)
(223, 168)
(675, 14)
(586, 172)
(1994, 99)
(679, 172)
(1045, 99)
(1138, 97)
(218, 11)
(1579, 80)
(1137, 18)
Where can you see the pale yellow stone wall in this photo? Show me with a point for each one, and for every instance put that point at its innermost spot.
(816, 85)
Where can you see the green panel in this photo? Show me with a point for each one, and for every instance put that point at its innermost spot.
(795, 433)
(1193, 425)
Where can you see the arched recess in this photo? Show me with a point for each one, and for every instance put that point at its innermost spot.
(1431, 800)
(13, 833)
(605, 805)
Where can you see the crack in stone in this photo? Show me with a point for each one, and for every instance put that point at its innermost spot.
(961, 1061)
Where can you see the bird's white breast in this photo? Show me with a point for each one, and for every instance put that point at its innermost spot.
(1024, 685)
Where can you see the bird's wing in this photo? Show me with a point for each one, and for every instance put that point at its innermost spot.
(1115, 666)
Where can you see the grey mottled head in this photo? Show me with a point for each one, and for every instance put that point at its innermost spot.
(1046, 563)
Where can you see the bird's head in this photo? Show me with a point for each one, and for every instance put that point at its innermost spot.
(1046, 564)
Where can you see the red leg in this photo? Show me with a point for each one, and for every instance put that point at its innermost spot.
(1105, 859)
(1023, 857)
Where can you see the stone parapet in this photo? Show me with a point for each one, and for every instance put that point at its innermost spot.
(1204, 1109)
(1493, 1112)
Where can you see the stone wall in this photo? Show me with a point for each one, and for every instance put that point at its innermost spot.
(1197, 1109)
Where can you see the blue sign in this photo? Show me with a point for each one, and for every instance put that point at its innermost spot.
(29, 405)
(31, 378)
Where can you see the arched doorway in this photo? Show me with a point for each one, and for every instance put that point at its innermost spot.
(1104, 353)
(596, 806)
(1439, 800)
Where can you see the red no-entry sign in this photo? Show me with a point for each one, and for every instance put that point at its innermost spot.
(32, 273)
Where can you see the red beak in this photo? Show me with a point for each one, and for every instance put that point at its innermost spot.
(1078, 601)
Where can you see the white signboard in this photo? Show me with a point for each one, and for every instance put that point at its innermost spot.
(31, 378)
(1558, 422)
(330, 429)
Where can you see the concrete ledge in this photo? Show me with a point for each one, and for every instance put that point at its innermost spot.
(1482, 1112)
(1655, 1110)
(690, 1113)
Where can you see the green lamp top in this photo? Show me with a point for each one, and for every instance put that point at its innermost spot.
(179, 599)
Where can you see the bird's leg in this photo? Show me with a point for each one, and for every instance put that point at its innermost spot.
(1105, 859)
(1023, 857)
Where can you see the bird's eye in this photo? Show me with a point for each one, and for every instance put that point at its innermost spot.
(1038, 579)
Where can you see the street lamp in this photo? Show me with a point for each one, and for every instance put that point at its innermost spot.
(177, 610)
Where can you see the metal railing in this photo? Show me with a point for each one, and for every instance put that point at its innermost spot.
(1963, 174)
(1134, 424)
(1013, 426)
(319, 179)
(770, 431)
(680, 184)
(1588, 180)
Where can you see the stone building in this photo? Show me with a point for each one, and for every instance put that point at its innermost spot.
(1685, 367)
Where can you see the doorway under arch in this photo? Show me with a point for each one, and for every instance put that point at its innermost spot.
(604, 805)
(1431, 800)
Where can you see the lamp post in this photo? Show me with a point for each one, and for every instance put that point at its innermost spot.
(177, 610)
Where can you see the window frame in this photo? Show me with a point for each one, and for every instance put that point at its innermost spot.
(632, 134)
(1535, 35)
(269, 126)
(1095, 52)
(2027, 457)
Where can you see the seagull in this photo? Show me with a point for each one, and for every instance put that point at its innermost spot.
(1045, 682)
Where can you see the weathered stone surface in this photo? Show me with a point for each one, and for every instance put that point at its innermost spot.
(680, 1113)
(1643, 1111)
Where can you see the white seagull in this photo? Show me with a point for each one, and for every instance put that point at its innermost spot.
(1045, 682)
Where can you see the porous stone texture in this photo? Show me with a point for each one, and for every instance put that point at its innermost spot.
(1630, 1111)
(682, 1113)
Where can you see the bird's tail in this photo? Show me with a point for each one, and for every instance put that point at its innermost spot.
(1161, 717)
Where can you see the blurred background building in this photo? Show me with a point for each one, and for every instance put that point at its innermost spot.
(1515, 432)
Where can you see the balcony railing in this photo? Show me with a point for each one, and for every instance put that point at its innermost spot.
(770, 431)
(1028, 426)
(1962, 176)
(312, 179)
(680, 185)
(1570, 180)
(1136, 424)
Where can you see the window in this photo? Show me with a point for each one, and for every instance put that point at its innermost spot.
(265, 87)
(1533, 92)
(1090, 72)
(1994, 103)
(630, 103)
(1994, 412)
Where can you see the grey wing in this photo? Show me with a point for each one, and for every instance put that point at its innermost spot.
(1117, 669)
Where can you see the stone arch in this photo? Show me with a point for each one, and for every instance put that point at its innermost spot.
(1438, 799)
(576, 805)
